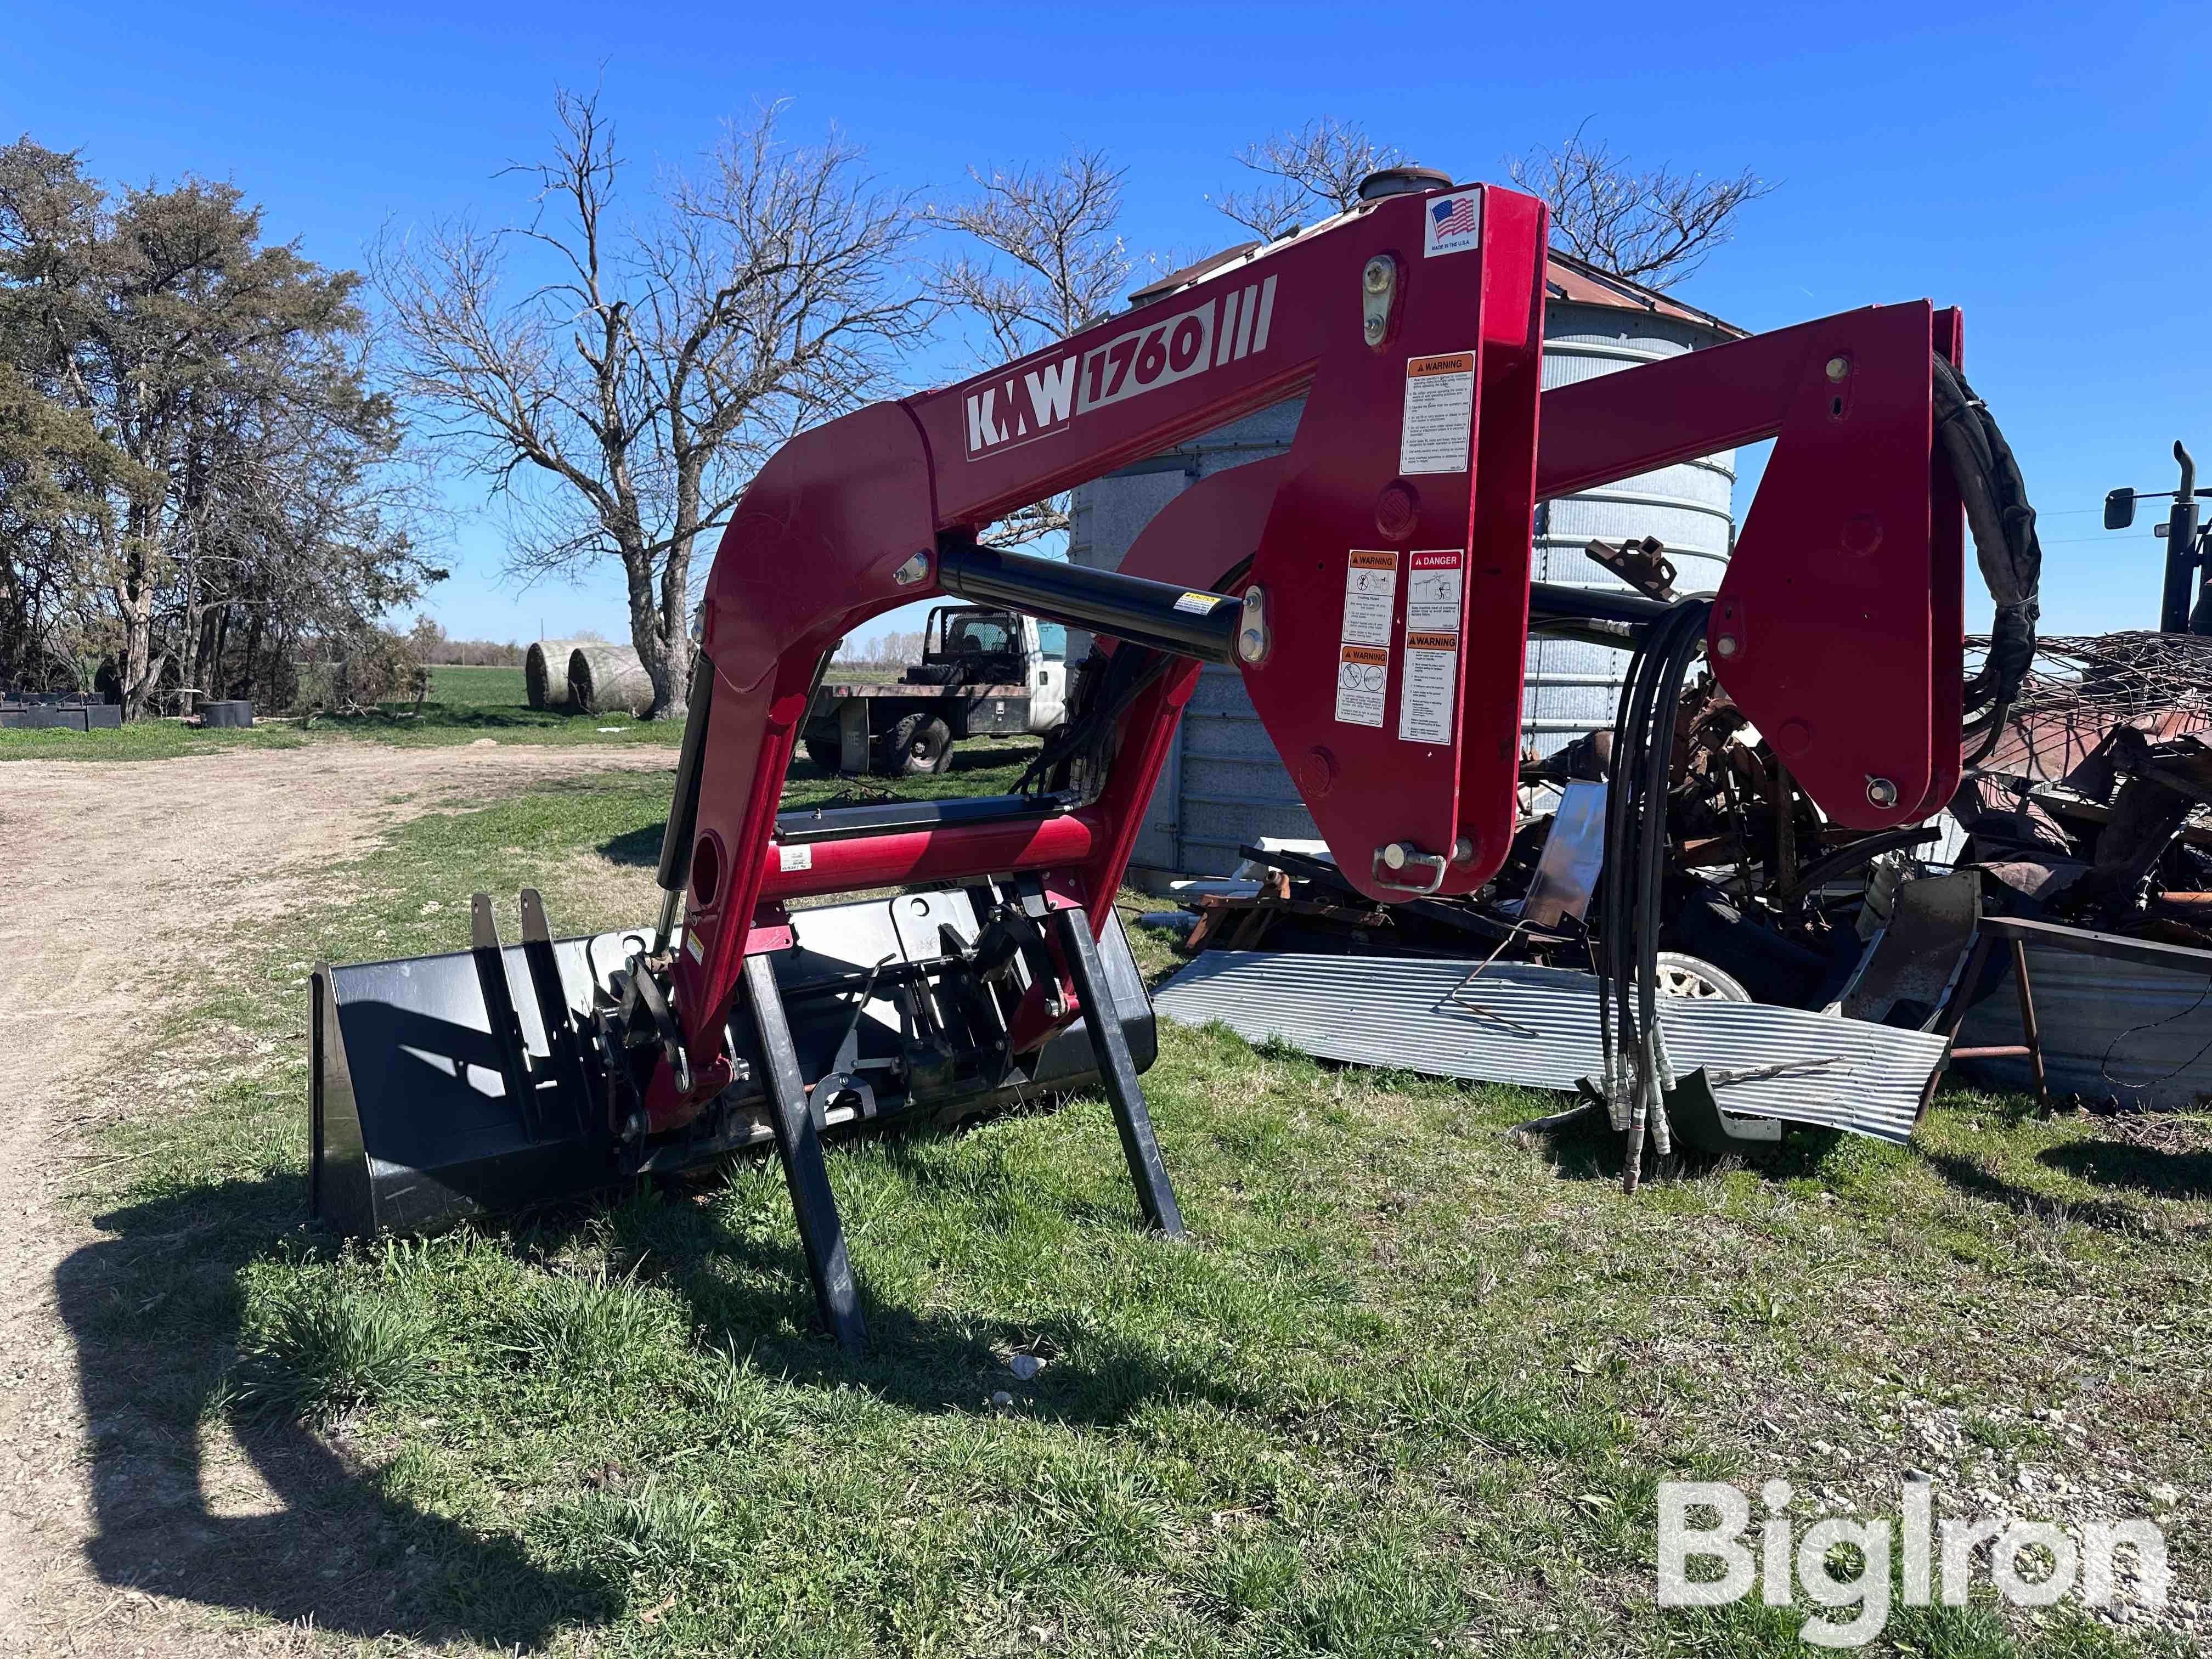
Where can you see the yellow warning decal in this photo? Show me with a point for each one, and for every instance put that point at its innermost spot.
(1363, 674)
(1447, 362)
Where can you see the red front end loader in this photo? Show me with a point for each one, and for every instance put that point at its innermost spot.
(1371, 585)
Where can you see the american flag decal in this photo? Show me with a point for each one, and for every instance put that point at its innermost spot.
(1454, 224)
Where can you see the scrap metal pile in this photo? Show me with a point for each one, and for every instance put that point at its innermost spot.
(2090, 808)
(2089, 816)
(1758, 885)
(2093, 807)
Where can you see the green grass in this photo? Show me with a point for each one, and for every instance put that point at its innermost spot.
(1409, 1389)
(467, 703)
(476, 686)
(142, 740)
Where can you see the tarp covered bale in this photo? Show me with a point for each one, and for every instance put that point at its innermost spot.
(608, 679)
(545, 673)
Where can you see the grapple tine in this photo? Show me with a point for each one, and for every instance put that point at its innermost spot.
(411, 1134)
(490, 957)
(555, 1013)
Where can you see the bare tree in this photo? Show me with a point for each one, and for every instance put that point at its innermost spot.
(885, 650)
(622, 400)
(1312, 173)
(1654, 228)
(1053, 259)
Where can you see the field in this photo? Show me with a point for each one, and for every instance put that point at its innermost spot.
(465, 685)
(466, 704)
(1409, 1389)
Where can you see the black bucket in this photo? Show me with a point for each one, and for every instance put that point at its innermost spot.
(416, 1124)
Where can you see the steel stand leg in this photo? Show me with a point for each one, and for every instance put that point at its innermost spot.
(1118, 1069)
(800, 1145)
(1955, 1016)
(2030, 1036)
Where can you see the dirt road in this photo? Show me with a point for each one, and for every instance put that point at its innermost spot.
(110, 877)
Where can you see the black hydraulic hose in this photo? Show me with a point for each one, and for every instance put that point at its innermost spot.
(1635, 864)
(1645, 780)
(2006, 547)
(1129, 670)
(1612, 872)
(1651, 878)
(1624, 799)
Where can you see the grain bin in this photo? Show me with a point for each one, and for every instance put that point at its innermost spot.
(1223, 785)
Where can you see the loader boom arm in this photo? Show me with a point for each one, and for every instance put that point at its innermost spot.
(1372, 585)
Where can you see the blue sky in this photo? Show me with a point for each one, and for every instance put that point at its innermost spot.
(2044, 167)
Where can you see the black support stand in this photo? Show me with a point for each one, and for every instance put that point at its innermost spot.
(1117, 1070)
(800, 1145)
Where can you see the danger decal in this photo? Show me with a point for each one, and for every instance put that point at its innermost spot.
(1433, 599)
(1036, 400)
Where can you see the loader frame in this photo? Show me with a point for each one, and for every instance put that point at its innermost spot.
(1412, 326)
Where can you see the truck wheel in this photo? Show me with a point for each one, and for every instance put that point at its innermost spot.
(826, 749)
(917, 745)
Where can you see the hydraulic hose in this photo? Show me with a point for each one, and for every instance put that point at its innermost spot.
(1635, 872)
(2005, 546)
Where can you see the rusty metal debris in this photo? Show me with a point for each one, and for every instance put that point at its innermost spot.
(2090, 818)
(1758, 884)
(1644, 565)
(2078, 690)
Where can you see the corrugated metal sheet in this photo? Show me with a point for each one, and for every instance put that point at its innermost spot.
(1538, 1026)
(1578, 281)
(2110, 1030)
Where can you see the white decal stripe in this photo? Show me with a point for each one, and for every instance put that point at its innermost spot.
(1244, 322)
(975, 423)
(1266, 313)
(1228, 331)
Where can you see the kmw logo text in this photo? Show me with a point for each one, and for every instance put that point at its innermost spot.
(1037, 400)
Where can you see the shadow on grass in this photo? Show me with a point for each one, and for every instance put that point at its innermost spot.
(1590, 1149)
(157, 1313)
(1976, 1179)
(752, 1298)
(154, 1311)
(2153, 1169)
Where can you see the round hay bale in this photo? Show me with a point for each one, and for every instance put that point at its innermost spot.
(608, 679)
(545, 673)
